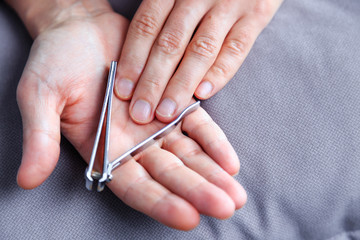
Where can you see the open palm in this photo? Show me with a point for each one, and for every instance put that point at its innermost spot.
(62, 89)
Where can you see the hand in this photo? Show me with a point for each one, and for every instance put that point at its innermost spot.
(198, 45)
(62, 88)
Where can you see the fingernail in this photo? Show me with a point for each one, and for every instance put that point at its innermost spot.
(141, 110)
(124, 87)
(204, 89)
(166, 108)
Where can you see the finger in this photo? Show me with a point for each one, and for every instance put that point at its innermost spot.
(165, 56)
(192, 155)
(184, 182)
(141, 35)
(201, 128)
(41, 132)
(235, 49)
(199, 56)
(133, 185)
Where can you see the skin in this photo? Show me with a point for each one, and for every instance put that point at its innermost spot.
(61, 91)
(175, 49)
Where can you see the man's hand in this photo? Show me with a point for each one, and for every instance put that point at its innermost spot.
(175, 48)
(62, 89)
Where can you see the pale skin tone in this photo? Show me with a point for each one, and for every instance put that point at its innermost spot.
(62, 86)
(175, 49)
(61, 90)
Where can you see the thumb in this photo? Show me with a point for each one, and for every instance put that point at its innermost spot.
(41, 132)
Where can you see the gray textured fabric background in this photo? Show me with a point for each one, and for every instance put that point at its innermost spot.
(292, 113)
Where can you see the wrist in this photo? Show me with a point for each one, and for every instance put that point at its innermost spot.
(39, 15)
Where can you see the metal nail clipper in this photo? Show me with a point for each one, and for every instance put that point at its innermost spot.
(92, 175)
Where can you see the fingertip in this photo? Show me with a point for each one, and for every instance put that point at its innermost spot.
(226, 208)
(204, 90)
(40, 156)
(176, 213)
(28, 177)
(227, 158)
(232, 187)
(234, 190)
(166, 109)
(141, 112)
(224, 154)
(124, 88)
(241, 199)
(233, 166)
(23, 181)
(164, 119)
(212, 139)
(213, 202)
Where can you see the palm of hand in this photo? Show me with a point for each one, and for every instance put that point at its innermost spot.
(69, 60)
(63, 85)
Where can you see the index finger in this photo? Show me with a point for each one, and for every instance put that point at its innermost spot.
(143, 30)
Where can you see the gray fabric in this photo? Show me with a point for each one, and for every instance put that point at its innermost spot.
(292, 113)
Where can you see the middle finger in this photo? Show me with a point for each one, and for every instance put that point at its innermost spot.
(165, 55)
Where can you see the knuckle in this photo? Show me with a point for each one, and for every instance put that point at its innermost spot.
(262, 7)
(238, 46)
(204, 47)
(192, 153)
(128, 194)
(145, 25)
(222, 69)
(225, 6)
(185, 84)
(187, 9)
(170, 42)
(171, 168)
(263, 10)
(152, 83)
(214, 173)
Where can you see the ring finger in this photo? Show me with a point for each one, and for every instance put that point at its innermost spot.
(165, 55)
(198, 58)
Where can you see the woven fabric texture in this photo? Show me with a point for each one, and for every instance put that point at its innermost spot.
(292, 113)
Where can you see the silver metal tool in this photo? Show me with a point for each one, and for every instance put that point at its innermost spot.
(102, 178)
